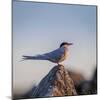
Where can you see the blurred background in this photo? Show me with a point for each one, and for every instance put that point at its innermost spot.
(41, 27)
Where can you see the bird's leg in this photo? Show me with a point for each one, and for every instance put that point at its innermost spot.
(58, 63)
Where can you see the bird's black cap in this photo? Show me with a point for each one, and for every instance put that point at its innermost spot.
(65, 43)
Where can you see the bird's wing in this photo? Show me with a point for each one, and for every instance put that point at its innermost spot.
(53, 56)
(56, 54)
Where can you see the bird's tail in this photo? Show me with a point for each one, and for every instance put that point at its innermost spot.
(38, 57)
(27, 57)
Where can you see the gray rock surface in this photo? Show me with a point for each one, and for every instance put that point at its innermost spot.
(56, 83)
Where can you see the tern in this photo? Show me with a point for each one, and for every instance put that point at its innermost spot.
(55, 56)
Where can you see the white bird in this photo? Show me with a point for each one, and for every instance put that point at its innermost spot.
(55, 56)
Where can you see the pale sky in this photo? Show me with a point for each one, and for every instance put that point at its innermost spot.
(40, 28)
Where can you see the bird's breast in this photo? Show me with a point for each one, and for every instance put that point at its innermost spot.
(64, 55)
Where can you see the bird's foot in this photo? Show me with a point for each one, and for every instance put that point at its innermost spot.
(58, 64)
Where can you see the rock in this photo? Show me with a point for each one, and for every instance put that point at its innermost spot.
(56, 83)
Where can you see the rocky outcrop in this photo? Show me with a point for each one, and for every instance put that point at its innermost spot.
(61, 82)
(56, 83)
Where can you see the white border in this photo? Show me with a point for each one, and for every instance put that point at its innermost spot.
(5, 47)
